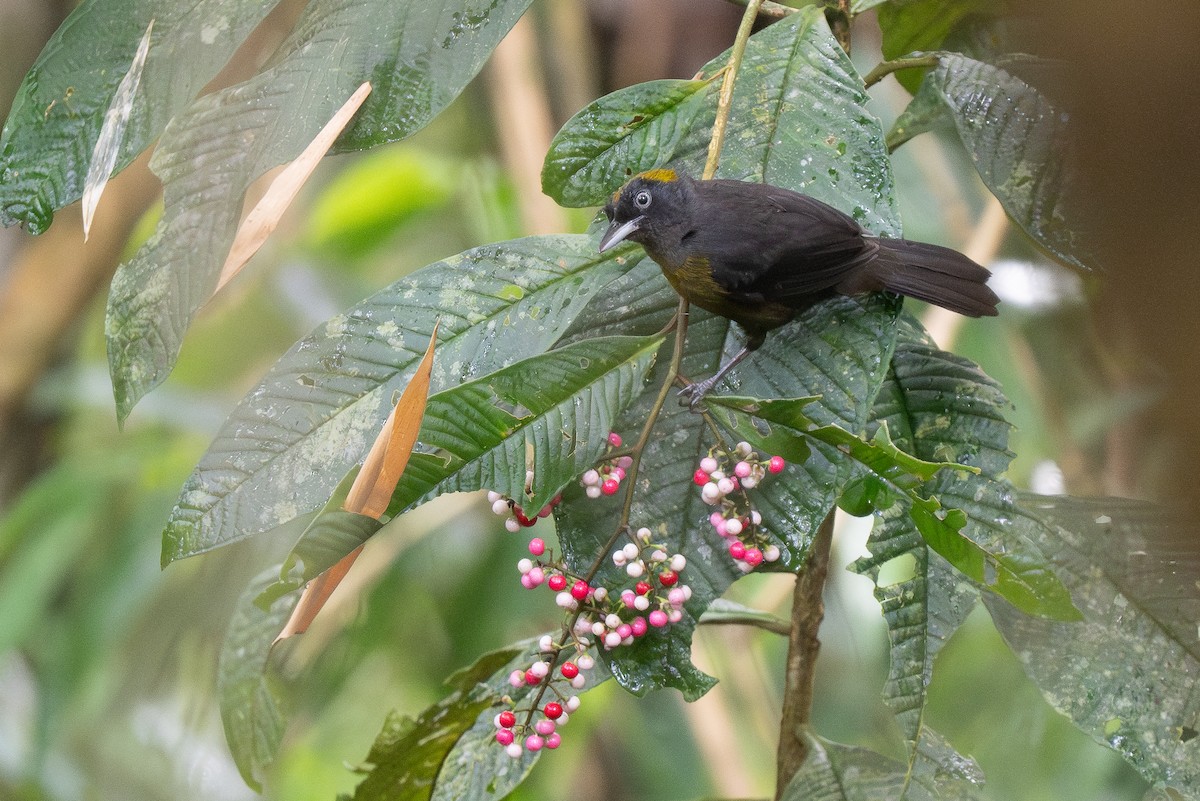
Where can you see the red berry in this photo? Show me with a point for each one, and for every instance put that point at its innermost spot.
(557, 582)
(668, 578)
(504, 736)
(531, 678)
(553, 710)
(700, 477)
(737, 550)
(610, 486)
(642, 588)
(754, 557)
(580, 590)
(614, 439)
(507, 719)
(569, 670)
(776, 464)
(521, 518)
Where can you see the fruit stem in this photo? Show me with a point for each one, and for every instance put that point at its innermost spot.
(726, 97)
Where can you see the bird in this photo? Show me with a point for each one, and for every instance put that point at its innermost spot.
(759, 255)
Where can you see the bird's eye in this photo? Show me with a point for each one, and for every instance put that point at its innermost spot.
(642, 199)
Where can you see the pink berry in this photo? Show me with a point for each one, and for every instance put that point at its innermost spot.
(546, 510)
(625, 462)
(569, 670)
(776, 464)
(614, 439)
(700, 478)
(753, 557)
(610, 486)
(624, 630)
(741, 469)
(507, 719)
(536, 576)
(516, 678)
(668, 578)
(537, 546)
(638, 626)
(580, 589)
(553, 710)
(628, 597)
(553, 741)
(534, 742)
(557, 582)
(737, 549)
(708, 464)
(504, 736)
(658, 618)
(544, 727)
(527, 582)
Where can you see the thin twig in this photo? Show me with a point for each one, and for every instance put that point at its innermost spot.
(808, 610)
(769, 9)
(886, 68)
(726, 97)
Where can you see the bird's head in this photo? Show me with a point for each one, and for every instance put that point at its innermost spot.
(648, 208)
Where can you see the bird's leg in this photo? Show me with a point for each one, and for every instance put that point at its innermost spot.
(694, 392)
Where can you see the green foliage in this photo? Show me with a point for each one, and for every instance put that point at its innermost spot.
(1019, 143)
(545, 346)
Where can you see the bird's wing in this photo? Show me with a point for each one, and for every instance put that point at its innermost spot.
(779, 243)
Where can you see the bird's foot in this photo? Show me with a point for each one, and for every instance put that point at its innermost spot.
(693, 394)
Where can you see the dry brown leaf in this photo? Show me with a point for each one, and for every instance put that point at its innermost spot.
(372, 487)
(265, 215)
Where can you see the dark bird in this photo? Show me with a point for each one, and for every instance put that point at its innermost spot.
(759, 254)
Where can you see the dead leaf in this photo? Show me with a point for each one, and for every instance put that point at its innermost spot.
(265, 215)
(372, 487)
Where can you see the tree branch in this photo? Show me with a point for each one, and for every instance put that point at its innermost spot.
(808, 610)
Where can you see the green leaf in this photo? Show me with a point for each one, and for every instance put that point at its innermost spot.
(798, 120)
(642, 124)
(59, 110)
(922, 607)
(317, 411)
(1020, 145)
(567, 398)
(254, 707)
(449, 753)
(837, 350)
(418, 56)
(1128, 673)
(566, 402)
(915, 25)
(943, 407)
(835, 772)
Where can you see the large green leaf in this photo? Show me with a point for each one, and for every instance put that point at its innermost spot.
(939, 406)
(59, 110)
(798, 120)
(835, 772)
(313, 416)
(1019, 142)
(837, 350)
(565, 402)
(1129, 673)
(418, 56)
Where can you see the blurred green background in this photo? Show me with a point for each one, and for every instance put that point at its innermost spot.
(107, 664)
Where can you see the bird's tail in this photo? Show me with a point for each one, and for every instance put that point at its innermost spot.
(936, 275)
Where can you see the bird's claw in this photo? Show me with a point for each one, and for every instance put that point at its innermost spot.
(693, 394)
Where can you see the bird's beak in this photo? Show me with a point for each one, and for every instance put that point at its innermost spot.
(616, 233)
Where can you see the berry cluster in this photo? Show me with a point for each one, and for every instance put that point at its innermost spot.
(600, 618)
(514, 516)
(542, 732)
(723, 478)
(606, 479)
